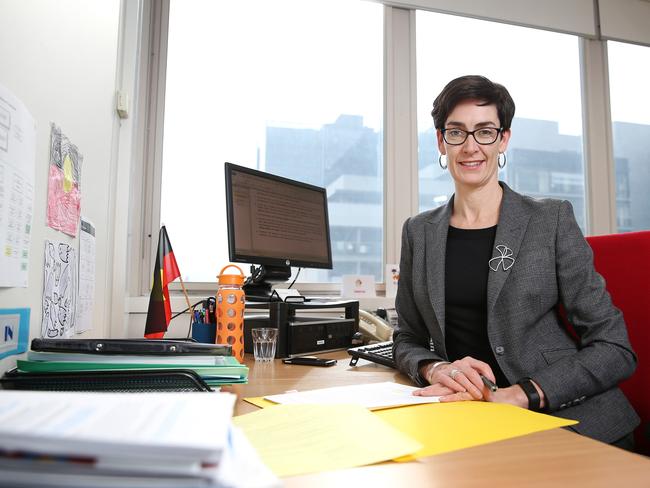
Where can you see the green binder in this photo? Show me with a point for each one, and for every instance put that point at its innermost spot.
(230, 372)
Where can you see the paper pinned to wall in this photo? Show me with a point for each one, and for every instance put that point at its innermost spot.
(392, 280)
(17, 163)
(64, 184)
(14, 331)
(59, 290)
(86, 276)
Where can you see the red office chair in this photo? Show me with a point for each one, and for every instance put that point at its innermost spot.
(624, 261)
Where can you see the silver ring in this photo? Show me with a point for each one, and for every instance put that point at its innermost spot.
(453, 373)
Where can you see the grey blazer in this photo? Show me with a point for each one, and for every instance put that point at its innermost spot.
(546, 261)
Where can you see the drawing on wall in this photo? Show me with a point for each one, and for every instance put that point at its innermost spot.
(59, 290)
(17, 163)
(64, 190)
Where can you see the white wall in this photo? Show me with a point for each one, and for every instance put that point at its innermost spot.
(61, 59)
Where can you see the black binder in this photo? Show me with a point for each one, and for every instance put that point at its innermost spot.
(130, 346)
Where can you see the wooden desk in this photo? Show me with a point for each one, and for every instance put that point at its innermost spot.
(552, 458)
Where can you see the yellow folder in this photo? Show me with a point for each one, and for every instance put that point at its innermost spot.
(445, 427)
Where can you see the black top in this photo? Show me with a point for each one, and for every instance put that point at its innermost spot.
(466, 276)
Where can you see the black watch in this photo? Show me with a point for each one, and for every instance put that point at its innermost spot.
(534, 400)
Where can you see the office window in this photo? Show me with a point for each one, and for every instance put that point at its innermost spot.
(289, 87)
(629, 76)
(540, 69)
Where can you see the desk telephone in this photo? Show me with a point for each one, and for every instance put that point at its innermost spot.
(374, 328)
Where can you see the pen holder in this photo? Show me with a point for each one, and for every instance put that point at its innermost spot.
(204, 332)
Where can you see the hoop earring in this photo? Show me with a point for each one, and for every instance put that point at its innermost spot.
(440, 161)
(500, 163)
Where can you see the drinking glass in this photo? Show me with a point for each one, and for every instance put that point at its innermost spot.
(265, 340)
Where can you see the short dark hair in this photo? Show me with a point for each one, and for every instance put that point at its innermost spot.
(473, 87)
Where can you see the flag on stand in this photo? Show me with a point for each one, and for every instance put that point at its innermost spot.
(165, 271)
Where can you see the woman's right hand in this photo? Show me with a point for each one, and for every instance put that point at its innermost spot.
(460, 380)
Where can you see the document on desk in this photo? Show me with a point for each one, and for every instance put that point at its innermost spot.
(374, 396)
(301, 439)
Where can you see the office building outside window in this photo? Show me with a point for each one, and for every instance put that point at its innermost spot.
(629, 76)
(289, 87)
(542, 72)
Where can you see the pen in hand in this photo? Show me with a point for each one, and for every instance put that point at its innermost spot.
(489, 384)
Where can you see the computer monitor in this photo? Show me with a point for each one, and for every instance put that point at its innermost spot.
(276, 223)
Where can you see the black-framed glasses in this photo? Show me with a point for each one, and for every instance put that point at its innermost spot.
(484, 135)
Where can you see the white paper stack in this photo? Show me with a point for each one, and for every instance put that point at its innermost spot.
(119, 439)
(373, 396)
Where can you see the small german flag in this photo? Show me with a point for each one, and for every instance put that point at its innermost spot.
(165, 271)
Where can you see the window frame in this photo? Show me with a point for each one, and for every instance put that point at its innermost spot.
(400, 138)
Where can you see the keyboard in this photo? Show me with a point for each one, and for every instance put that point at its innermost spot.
(380, 353)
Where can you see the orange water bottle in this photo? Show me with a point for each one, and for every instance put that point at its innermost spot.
(230, 311)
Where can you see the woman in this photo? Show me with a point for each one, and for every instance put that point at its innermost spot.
(481, 279)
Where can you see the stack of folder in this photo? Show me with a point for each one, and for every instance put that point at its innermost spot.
(213, 367)
(213, 370)
(66, 439)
